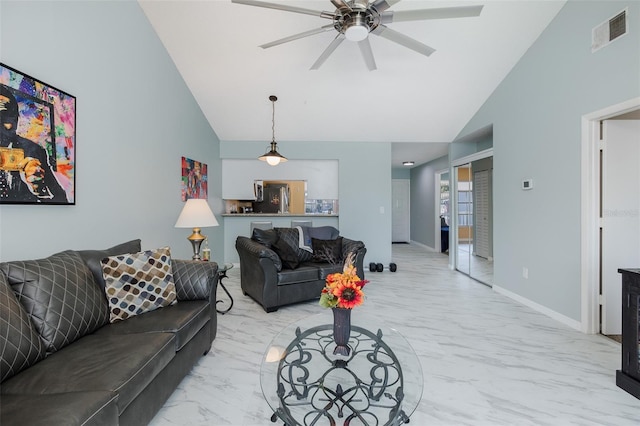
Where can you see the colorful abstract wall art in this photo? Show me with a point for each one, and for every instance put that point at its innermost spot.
(37, 141)
(194, 179)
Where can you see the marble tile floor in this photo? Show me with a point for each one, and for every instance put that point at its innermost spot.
(486, 359)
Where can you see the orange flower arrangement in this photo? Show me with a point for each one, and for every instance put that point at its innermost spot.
(343, 290)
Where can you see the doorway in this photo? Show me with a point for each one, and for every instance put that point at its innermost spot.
(464, 218)
(601, 209)
(472, 225)
(442, 211)
(620, 215)
(401, 211)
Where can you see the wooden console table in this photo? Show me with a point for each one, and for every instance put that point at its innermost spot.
(628, 378)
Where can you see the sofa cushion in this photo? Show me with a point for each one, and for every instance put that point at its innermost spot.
(291, 237)
(20, 345)
(93, 257)
(184, 320)
(302, 274)
(138, 282)
(328, 251)
(124, 364)
(288, 255)
(326, 269)
(60, 297)
(69, 409)
(266, 237)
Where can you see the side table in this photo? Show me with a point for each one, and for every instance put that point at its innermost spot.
(222, 273)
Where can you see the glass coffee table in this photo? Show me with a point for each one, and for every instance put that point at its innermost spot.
(379, 383)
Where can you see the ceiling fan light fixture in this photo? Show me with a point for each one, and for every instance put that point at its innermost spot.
(273, 157)
(408, 163)
(356, 32)
(355, 27)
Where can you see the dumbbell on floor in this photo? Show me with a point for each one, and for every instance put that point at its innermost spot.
(379, 267)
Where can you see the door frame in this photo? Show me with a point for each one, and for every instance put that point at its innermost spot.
(590, 208)
(406, 183)
(438, 178)
(453, 183)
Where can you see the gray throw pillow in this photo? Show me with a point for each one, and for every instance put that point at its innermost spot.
(287, 254)
(20, 344)
(59, 295)
(266, 237)
(292, 238)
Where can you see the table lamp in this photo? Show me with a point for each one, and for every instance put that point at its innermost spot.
(196, 214)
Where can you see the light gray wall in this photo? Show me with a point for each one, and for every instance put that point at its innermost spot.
(423, 195)
(400, 173)
(135, 120)
(364, 182)
(473, 143)
(536, 113)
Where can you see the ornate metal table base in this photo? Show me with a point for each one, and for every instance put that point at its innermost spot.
(316, 388)
(222, 273)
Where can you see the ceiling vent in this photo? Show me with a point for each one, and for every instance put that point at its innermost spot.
(609, 30)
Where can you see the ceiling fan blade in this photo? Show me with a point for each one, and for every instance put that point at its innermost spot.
(341, 5)
(413, 44)
(382, 5)
(328, 51)
(367, 54)
(298, 36)
(267, 5)
(437, 13)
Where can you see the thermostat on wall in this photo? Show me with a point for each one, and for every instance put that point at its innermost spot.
(527, 184)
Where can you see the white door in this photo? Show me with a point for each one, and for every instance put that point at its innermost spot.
(481, 207)
(400, 213)
(620, 214)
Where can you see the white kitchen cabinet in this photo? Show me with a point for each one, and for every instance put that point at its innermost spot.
(238, 177)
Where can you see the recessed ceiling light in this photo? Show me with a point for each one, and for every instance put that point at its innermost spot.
(408, 163)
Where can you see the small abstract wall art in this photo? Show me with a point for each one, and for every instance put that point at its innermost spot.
(194, 179)
(37, 141)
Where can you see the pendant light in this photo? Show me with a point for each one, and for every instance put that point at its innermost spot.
(273, 157)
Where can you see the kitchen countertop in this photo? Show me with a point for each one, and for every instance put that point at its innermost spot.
(278, 215)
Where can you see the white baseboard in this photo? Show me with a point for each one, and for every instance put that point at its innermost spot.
(570, 322)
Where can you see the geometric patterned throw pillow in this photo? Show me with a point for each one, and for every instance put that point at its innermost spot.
(138, 283)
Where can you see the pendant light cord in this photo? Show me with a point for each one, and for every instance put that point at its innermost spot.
(273, 120)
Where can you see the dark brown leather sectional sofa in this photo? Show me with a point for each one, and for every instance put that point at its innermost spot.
(98, 373)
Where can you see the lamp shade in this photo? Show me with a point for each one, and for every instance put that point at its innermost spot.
(196, 213)
(273, 157)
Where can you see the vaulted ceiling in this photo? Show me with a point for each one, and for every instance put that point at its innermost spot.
(417, 102)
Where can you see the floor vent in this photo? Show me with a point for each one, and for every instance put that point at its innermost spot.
(609, 30)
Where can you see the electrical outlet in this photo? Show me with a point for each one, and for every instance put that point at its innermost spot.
(525, 272)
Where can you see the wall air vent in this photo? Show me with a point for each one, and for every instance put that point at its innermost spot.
(609, 30)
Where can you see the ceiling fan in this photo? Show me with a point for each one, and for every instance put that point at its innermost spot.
(356, 19)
